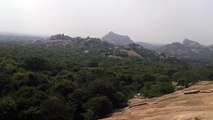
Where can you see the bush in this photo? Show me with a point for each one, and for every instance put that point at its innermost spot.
(36, 64)
(54, 109)
(158, 89)
(8, 109)
(33, 113)
(99, 105)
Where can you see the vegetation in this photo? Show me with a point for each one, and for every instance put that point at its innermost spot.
(58, 83)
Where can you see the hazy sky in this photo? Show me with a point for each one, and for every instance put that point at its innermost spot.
(155, 21)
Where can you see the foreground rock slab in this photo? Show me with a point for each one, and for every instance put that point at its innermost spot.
(193, 103)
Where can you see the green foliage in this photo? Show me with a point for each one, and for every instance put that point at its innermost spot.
(33, 113)
(8, 108)
(64, 87)
(36, 64)
(54, 109)
(163, 78)
(63, 83)
(8, 66)
(99, 105)
(101, 87)
(185, 78)
(89, 115)
(157, 89)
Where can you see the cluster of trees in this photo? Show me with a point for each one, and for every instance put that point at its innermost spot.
(55, 83)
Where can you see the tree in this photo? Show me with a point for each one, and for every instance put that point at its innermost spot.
(36, 64)
(75, 102)
(99, 105)
(8, 109)
(64, 87)
(163, 78)
(54, 109)
(185, 78)
(8, 66)
(27, 97)
(102, 87)
(33, 113)
(148, 77)
(89, 115)
(157, 89)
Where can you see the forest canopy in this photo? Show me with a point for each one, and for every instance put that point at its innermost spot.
(58, 83)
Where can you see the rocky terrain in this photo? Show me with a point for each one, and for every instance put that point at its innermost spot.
(119, 46)
(193, 103)
(105, 48)
(74, 43)
(149, 46)
(186, 47)
(211, 47)
(192, 44)
(116, 39)
(189, 50)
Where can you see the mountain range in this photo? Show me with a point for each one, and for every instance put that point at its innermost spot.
(188, 49)
(115, 45)
(100, 47)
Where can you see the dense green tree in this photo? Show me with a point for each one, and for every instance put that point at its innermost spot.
(33, 113)
(8, 66)
(8, 109)
(64, 87)
(99, 105)
(89, 115)
(102, 87)
(54, 109)
(57, 82)
(36, 63)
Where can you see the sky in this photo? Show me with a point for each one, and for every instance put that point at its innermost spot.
(153, 21)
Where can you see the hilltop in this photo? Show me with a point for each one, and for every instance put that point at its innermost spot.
(117, 39)
(189, 50)
(100, 47)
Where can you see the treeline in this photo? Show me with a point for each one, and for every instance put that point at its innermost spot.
(56, 83)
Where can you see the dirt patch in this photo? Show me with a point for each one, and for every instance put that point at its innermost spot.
(132, 53)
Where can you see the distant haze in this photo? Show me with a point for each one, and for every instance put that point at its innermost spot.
(154, 21)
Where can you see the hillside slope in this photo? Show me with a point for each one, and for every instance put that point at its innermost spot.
(186, 104)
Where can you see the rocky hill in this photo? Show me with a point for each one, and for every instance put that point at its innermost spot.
(117, 39)
(188, 49)
(211, 47)
(96, 46)
(100, 47)
(76, 44)
(192, 44)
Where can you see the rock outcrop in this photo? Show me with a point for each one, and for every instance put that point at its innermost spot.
(187, 104)
(188, 49)
(117, 39)
(192, 44)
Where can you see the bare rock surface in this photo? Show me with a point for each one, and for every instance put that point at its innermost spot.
(175, 106)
